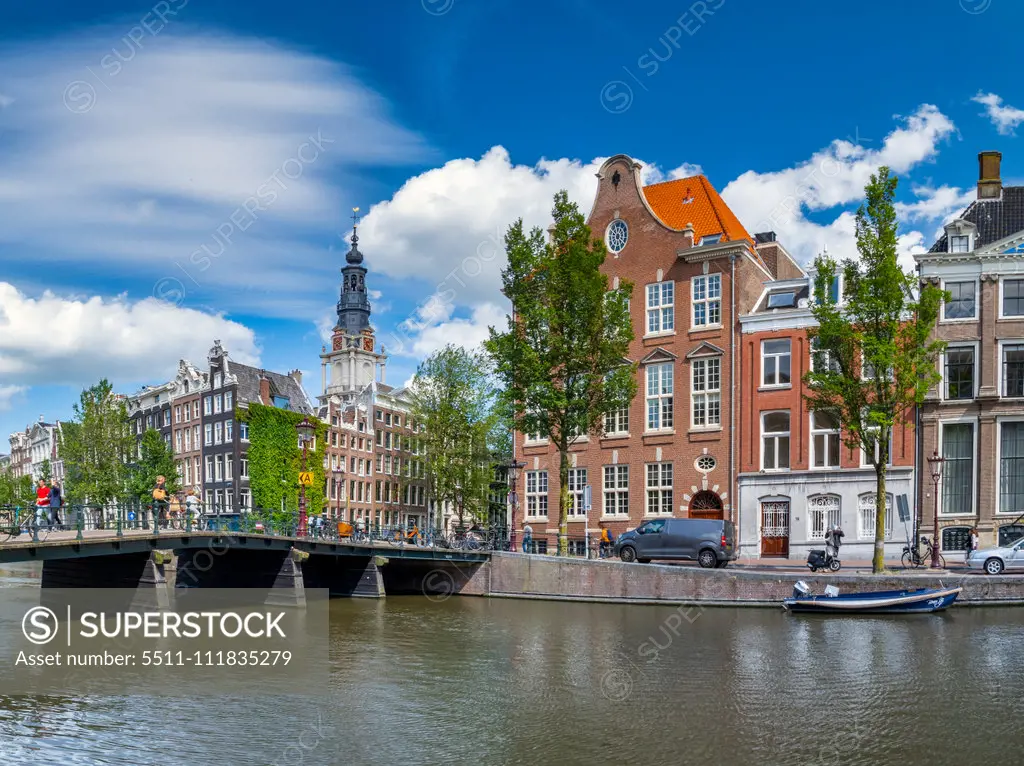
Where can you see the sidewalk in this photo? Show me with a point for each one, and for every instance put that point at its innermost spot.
(852, 565)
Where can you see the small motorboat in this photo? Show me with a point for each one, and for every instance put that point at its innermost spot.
(919, 601)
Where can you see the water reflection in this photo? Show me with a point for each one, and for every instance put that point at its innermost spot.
(475, 681)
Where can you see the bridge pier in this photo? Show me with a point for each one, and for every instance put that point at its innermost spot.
(143, 572)
(435, 579)
(278, 572)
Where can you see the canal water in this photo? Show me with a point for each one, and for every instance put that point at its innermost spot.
(476, 681)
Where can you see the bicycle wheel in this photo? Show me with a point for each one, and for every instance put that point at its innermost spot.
(907, 560)
(8, 526)
(942, 561)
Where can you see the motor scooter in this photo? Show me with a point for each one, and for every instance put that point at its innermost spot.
(824, 559)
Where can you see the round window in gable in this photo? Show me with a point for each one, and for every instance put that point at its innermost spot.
(705, 463)
(617, 235)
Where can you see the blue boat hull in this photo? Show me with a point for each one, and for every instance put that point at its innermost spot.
(920, 601)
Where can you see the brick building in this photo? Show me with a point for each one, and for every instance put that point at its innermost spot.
(974, 418)
(797, 477)
(670, 453)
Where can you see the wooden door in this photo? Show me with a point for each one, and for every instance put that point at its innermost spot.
(775, 528)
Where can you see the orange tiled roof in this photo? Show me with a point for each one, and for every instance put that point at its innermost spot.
(707, 212)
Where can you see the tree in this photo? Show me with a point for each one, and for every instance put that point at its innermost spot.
(97, 445)
(561, 360)
(454, 399)
(45, 470)
(874, 359)
(157, 459)
(16, 490)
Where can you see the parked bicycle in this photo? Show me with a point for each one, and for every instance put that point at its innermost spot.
(914, 558)
(17, 521)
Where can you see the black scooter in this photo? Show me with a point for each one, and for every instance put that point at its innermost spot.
(823, 559)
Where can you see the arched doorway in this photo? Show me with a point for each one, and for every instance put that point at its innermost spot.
(706, 505)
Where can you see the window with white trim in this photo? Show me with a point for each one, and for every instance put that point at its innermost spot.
(228, 400)
(243, 431)
(218, 433)
(1011, 467)
(659, 396)
(208, 434)
(1013, 297)
(960, 243)
(177, 441)
(536, 493)
(229, 467)
(961, 303)
(207, 405)
(707, 300)
(616, 490)
(959, 371)
(823, 359)
(229, 430)
(958, 468)
(706, 392)
(776, 362)
(825, 446)
(218, 404)
(243, 465)
(823, 512)
(577, 487)
(775, 440)
(188, 440)
(616, 421)
(661, 307)
(209, 467)
(1013, 369)
(219, 467)
(867, 513)
(659, 488)
(217, 379)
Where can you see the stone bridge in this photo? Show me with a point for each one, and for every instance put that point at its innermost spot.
(282, 566)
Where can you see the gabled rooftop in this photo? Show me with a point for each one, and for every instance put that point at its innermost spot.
(695, 201)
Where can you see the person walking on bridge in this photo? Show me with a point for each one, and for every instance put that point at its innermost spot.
(159, 501)
(42, 503)
(527, 538)
(56, 501)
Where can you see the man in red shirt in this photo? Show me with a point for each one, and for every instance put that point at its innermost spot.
(42, 503)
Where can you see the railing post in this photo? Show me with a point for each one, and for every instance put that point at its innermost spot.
(586, 538)
(118, 509)
(78, 523)
(35, 523)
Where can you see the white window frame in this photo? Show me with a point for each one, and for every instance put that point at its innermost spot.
(1001, 384)
(209, 468)
(973, 422)
(188, 440)
(228, 401)
(536, 494)
(1002, 282)
(1000, 422)
(207, 405)
(218, 379)
(177, 441)
(218, 467)
(777, 356)
(661, 490)
(944, 386)
(867, 531)
(218, 404)
(827, 515)
(243, 431)
(617, 491)
(218, 432)
(776, 435)
(705, 281)
(229, 466)
(703, 395)
(664, 399)
(208, 434)
(619, 420)
(954, 320)
(229, 431)
(662, 310)
(243, 465)
(949, 242)
(577, 485)
(827, 433)
(864, 462)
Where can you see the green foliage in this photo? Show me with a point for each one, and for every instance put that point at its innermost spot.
(275, 459)
(96, 446)
(16, 490)
(45, 470)
(454, 399)
(878, 340)
(157, 460)
(561, 360)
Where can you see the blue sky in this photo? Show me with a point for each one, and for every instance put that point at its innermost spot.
(134, 134)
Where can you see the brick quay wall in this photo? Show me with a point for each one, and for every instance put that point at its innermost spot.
(509, 575)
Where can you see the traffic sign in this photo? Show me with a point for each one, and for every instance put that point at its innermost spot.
(586, 498)
(306, 478)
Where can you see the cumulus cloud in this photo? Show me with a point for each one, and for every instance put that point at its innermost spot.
(7, 394)
(54, 339)
(1005, 118)
(212, 161)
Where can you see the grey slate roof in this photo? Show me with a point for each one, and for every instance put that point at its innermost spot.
(995, 218)
(280, 385)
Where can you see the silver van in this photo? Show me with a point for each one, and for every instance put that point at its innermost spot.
(709, 542)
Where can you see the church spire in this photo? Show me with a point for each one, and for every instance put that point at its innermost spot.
(354, 306)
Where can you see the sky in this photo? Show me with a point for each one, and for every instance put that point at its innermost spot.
(177, 172)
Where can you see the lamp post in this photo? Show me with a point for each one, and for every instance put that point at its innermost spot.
(306, 429)
(514, 468)
(337, 489)
(935, 466)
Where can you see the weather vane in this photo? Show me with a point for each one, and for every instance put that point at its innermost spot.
(355, 217)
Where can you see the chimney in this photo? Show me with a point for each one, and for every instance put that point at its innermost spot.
(990, 185)
(264, 389)
(296, 375)
(688, 234)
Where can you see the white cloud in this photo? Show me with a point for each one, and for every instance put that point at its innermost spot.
(142, 164)
(1005, 118)
(54, 339)
(443, 329)
(7, 394)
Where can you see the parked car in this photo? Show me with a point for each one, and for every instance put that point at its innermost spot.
(994, 560)
(709, 542)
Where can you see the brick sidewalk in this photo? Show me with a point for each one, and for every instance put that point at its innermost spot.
(853, 565)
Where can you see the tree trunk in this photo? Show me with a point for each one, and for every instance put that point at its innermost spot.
(878, 560)
(563, 500)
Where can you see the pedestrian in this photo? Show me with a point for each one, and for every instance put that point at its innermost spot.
(527, 538)
(56, 501)
(972, 544)
(192, 505)
(42, 503)
(607, 539)
(159, 500)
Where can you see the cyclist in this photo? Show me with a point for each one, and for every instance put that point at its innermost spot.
(192, 504)
(607, 540)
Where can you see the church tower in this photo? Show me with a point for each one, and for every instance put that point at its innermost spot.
(351, 364)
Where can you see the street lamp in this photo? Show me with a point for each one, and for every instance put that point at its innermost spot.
(306, 429)
(338, 474)
(935, 466)
(514, 468)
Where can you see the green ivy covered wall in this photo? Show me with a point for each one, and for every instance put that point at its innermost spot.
(275, 458)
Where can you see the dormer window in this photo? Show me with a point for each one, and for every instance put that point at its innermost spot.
(960, 243)
(711, 239)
